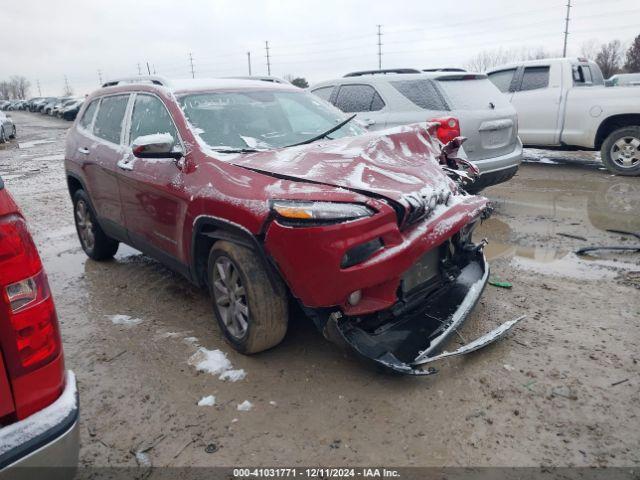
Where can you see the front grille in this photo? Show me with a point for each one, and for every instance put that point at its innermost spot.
(422, 203)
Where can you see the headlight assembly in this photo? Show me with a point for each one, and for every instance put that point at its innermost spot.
(319, 212)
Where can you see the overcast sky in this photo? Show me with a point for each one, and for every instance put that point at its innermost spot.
(47, 39)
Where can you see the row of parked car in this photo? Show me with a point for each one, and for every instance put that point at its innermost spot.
(61, 107)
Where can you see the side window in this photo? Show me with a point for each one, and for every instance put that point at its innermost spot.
(502, 79)
(323, 92)
(358, 98)
(150, 116)
(534, 78)
(422, 93)
(87, 116)
(584, 75)
(108, 125)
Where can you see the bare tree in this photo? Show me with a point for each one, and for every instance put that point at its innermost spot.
(67, 91)
(20, 86)
(609, 58)
(632, 63)
(589, 49)
(487, 59)
(5, 90)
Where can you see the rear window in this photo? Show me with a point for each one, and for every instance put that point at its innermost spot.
(422, 93)
(472, 93)
(108, 125)
(87, 116)
(535, 78)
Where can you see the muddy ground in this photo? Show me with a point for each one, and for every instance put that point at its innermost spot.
(562, 389)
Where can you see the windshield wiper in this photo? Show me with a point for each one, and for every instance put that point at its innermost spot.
(237, 150)
(328, 132)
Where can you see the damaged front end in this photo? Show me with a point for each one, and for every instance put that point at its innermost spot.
(435, 297)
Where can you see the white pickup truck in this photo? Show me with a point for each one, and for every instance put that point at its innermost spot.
(563, 102)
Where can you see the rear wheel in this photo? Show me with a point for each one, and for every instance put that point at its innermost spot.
(251, 312)
(95, 243)
(621, 151)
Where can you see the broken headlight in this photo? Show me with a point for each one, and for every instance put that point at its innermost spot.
(319, 212)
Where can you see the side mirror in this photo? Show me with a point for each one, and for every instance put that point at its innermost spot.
(158, 145)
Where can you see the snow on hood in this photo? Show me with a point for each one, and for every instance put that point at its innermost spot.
(391, 163)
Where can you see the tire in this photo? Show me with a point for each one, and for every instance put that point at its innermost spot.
(13, 135)
(266, 307)
(95, 243)
(621, 151)
(3, 137)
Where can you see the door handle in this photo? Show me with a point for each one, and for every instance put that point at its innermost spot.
(83, 150)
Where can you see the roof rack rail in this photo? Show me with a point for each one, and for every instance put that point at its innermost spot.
(444, 69)
(152, 79)
(382, 72)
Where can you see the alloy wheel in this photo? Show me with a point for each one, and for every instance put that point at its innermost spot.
(85, 225)
(230, 297)
(625, 152)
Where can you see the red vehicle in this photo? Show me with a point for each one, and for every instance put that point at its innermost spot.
(262, 193)
(38, 398)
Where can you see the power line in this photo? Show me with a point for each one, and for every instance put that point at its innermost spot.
(266, 43)
(379, 47)
(566, 29)
(193, 73)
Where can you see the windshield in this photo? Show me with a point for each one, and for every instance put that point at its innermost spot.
(262, 119)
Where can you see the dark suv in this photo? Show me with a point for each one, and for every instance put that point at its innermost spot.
(264, 193)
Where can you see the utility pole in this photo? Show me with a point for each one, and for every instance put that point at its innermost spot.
(193, 73)
(379, 47)
(566, 29)
(39, 91)
(249, 61)
(100, 76)
(139, 69)
(67, 88)
(148, 69)
(268, 58)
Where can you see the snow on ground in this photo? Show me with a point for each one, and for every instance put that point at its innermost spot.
(245, 406)
(124, 320)
(33, 143)
(208, 401)
(216, 362)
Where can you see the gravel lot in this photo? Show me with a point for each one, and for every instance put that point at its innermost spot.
(562, 389)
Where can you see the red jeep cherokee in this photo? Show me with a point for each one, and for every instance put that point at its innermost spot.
(38, 398)
(262, 192)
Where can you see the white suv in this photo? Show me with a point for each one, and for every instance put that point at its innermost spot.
(389, 98)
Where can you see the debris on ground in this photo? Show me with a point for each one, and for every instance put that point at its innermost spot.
(571, 235)
(620, 382)
(500, 283)
(245, 406)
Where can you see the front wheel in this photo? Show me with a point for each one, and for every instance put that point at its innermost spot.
(95, 243)
(621, 151)
(250, 310)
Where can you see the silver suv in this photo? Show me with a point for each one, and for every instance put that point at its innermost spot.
(389, 98)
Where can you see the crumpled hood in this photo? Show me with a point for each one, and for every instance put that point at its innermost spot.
(395, 163)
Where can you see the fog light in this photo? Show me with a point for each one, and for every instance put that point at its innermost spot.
(355, 297)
